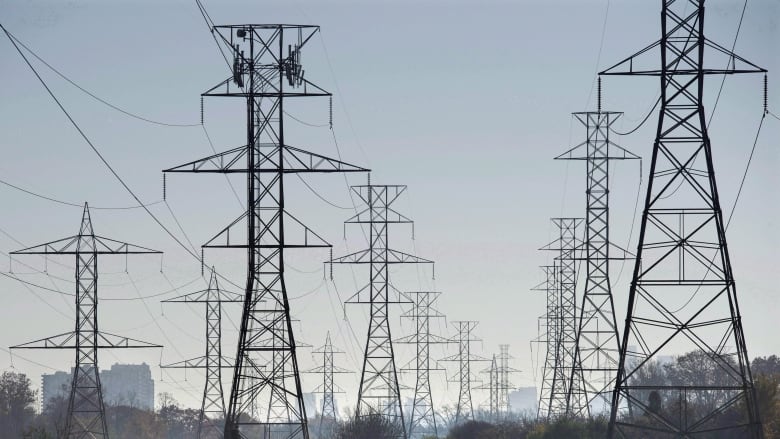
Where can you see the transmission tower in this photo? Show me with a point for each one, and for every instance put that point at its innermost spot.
(213, 402)
(683, 297)
(422, 420)
(492, 388)
(328, 388)
(266, 70)
(571, 389)
(552, 377)
(379, 391)
(597, 343)
(464, 411)
(504, 384)
(86, 417)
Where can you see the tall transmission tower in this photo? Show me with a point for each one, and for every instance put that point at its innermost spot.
(213, 402)
(564, 396)
(464, 411)
(552, 377)
(328, 388)
(422, 419)
(266, 70)
(86, 417)
(597, 344)
(492, 388)
(683, 297)
(504, 385)
(379, 390)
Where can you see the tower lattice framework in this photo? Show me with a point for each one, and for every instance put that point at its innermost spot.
(464, 337)
(683, 298)
(86, 415)
(328, 387)
(597, 344)
(551, 328)
(566, 389)
(422, 419)
(266, 400)
(212, 406)
(379, 389)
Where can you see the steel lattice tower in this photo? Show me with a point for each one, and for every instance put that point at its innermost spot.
(492, 388)
(213, 402)
(504, 385)
(86, 417)
(551, 377)
(682, 295)
(266, 70)
(422, 420)
(464, 411)
(565, 246)
(597, 344)
(379, 390)
(328, 388)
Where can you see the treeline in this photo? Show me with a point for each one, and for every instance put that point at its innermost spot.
(18, 418)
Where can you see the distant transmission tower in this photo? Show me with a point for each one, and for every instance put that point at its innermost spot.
(422, 420)
(213, 402)
(598, 345)
(464, 411)
(379, 391)
(552, 378)
(266, 70)
(328, 388)
(683, 297)
(86, 417)
(566, 343)
(504, 385)
(492, 388)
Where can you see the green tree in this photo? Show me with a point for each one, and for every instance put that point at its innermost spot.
(16, 404)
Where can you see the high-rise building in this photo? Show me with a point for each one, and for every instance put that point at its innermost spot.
(123, 384)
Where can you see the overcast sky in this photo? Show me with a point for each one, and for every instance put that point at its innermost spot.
(465, 102)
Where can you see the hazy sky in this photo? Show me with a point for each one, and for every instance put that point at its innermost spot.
(465, 102)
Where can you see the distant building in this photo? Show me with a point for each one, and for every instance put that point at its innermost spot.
(123, 384)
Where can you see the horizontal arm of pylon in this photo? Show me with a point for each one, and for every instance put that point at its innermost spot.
(323, 369)
(365, 217)
(633, 64)
(580, 152)
(297, 235)
(429, 339)
(616, 253)
(69, 246)
(388, 256)
(206, 296)
(199, 363)
(295, 161)
(363, 296)
(309, 90)
(103, 340)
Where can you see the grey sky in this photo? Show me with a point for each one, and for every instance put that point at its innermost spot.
(465, 102)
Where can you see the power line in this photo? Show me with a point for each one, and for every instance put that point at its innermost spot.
(67, 203)
(92, 95)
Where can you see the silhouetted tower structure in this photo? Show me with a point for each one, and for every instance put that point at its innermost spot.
(266, 71)
(683, 296)
(552, 377)
(492, 388)
(379, 391)
(86, 416)
(328, 388)
(504, 385)
(566, 246)
(464, 410)
(422, 419)
(597, 344)
(213, 402)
